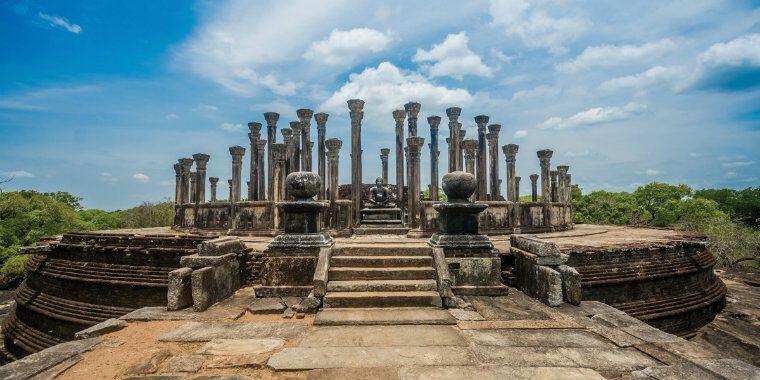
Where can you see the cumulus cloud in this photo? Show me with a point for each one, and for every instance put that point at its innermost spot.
(140, 177)
(18, 174)
(453, 58)
(593, 116)
(737, 164)
(61, 22)
(729, 66)
(652, 76)
(231, 127)
(343, 47)
(534, 26)
(387, 87)
(615, 55)
(520, 133)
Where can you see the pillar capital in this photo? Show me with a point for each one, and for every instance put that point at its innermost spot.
(185, 163)
(278, 151)
(481, 121)
(384, 152)
(412, 109)
(296, 127)
(333, 146)
(510, 151)
(453, 113)
(415, 143)
(494, 129)
(201, 159)
(213, 180)
(304, 114)
(237, 151)
(355, 105)
(260, 145)
(271, 118)
(321, 119)
(562, 169)
(399, 116)
(434, 122)
(255, 128)
(470, 146)
(533, 177)
(287, 135)
(544, 156)
(553, 174)
(177, 169)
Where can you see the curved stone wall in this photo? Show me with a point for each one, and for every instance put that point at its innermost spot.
(87, 278)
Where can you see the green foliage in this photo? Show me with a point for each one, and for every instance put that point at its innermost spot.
(12, 271)
(741, 205)
(441, 195)
(603, 207)
(149, 214)
(658, 198)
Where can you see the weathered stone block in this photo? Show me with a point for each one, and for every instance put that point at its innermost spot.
(203, 288)
(290, 271)
(571, 284)
(197, 261)
(179, 293)
(105, 327)
(221, 246)
(548, 286)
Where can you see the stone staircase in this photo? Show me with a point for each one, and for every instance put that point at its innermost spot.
(376, 276)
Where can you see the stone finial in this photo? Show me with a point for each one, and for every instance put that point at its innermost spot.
(494, 129)
(434, 121)
(213, 180)
(544, 155)
(237, 151)
(303, 185)
(399, 116)
(453, 113)
(304, 114)
(201, 159)
(384, 152)
(321, 119)
(355, 105)
(510, 150)
(271, 118)
(459, 186)
(481, 121)
(255, 128)
(333, 145)
(412, 108)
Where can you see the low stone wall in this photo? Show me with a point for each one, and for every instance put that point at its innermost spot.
(502, 217)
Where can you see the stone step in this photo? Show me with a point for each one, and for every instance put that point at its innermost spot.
(380, 230)
(381, 261)
(382, 299)
(358, 273)
(380, 250)
(384, 316)
(381, 286)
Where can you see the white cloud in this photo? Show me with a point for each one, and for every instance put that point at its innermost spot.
(18, 174)
(231, 127)
(652, 172)
(653, 76)
(499, 55)
(541, 91)
(616, 55)
(732, 65)
(520, 133)
(172, 116)
(593, 116)
(453, 58)
(741, 51)
(695, 154)
(206, 108)
(582, 153)
(731, 175)
(343, 47)
(61, 22)
(536, 28)
(108, 178)
(737, 164)
(386, 88)
(140, 177)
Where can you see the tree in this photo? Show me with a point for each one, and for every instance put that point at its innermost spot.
(656, 197)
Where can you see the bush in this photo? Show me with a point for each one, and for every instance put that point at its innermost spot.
(12, 271)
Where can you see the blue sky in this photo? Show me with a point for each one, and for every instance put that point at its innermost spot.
(100, 98)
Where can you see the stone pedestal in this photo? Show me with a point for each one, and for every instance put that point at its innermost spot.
(381, 221)
(474, 266)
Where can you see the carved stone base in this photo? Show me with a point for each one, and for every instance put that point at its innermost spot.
(289, 240)
(448, 241)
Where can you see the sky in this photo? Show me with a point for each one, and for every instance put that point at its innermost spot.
(100, 98)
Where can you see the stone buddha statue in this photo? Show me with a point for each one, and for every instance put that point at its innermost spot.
(379, 195)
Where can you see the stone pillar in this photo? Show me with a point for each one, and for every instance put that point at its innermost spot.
(561, 182)
(290, 148)
(193, 184)
(415, 148)
(271, 119)
(201, 160)
(493, 156)
(481, 173)
(229, 185)
(554, 187)
(455, 127)
(260, 181)
(545, 156)
(384, 153)
(278, 169)
(434, 122)
(399, 116)
(510, 152)
(185, 165)
(333, 154)
(297, 149)
(534, 187)
(321, 119)
(355, 106)
(213, 181)
(460, 161)
(177, 182)
(569, 187)
(253, 171)
(470, 148)
(237, 153)
(304, 116)
(517, 189)
(412, 110)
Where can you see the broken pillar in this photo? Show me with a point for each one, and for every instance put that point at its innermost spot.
(534, 187)
(177, 182)
(304, 116)
(384, 153)
(201, 161)
(493, 156)
(237, 153)
(213, 181)
(561, 189)
(333, 156)
(185, 166)
(554, 187)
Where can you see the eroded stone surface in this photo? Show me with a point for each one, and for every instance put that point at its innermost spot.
(384, 336)
(235, 347)
(498, 373)
(105, 327)
(203, 332)
(270, 305)
(158, 313)
(301, 358)
(536, 338)
(184, 363)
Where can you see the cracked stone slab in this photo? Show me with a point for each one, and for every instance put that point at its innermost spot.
(518, 324)
(235, 347)
(376, 336)
(466, 315)
(270, 305)
(536, 338)
(249, 361)
(158, 313)
(105, 327)
(389, 316)
(498, 373)
(606, 359)
(205, 331)
(184, 363)
(45, 360)
(303, 358)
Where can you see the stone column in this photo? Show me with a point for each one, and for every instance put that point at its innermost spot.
(470, 148)
(297, 149)
(213, 181)
(290, 148)
(434, 122)
(304, 116)
(201, 160)
(493, 156)
(193, 184)
(185, 164)
(321, 119)
(229, 185)
(545, 156)
(260, 181)
(455, 127)
(569, 187)
(481, 173)
(517, 189)
(510, 152)
(384, 153)
(415, 146)
(412, 110)
(460, 161)
(177, 182)
(554, 187)
(534, 187)
(271, 119)
(253, 173)
(399, 116)
(356, 106)
(333, 154)
(279, 151)
(237, 153)
(561, 182)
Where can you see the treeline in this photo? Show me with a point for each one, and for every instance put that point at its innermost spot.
(26, 216)
(729, 218)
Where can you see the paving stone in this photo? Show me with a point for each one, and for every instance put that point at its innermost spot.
(729, 368)
(184, 363)
(158, 313)
(288, 313)
(44, 360)
(615, 335)
(233, 347)
(291, 301)
(498, 373)
(154, 377)
(676, 352)
(651, 334)
(383, 336)
(58, 369)
(621, 359)
(204, 331)
(150, 363)
(466, 315)
(105, 327)
(271, 305)
(596, 358)
(518, 324)
(352, 373)
(301, 358)
(222, 377)
(523, 356)
(504, 308)
(536, 338)
(389, 316)
(250, 361)
(681, 371)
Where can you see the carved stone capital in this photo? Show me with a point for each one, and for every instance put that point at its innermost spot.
(278, 151)
(434, 122)
(494, 129)
(453, 113)
(562, 169)
(321, 119)
(237, 151)
(412, 109)
(201, 159)
(271, 118)
(296, 127)
(185, 163)
(287, 135)
(544, 156)
(304, 114)
(213, 180)
(384, 152)
(533, 178)
(481, 121)
(177, 169)
(510, 151)
(415, 143)
(255, 128)
(399, 116)
(355, 105)
(260, 145)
